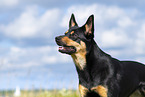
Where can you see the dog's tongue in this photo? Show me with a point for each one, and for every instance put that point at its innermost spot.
(61, 48)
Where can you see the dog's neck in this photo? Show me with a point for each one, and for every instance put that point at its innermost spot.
(95, 53)
(85, 58)
(86, 62)
(80, 59)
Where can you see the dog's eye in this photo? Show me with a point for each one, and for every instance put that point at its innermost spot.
(74, 36)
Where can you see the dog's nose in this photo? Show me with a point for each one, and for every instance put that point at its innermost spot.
(57, 38)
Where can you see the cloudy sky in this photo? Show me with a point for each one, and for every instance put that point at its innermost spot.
(28, 53)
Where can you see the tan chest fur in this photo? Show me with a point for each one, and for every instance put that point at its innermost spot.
(79, 60)
(79, 57)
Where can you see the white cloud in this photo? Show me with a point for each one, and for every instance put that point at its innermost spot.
(24, 58)
(31, 24)
(125, 22)
(8, 2)
(111, 22)
(55, 59)
(140, 41)
(113, 38)
(103, 14)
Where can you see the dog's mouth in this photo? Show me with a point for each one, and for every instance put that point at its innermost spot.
(64, 48)
(67, 49)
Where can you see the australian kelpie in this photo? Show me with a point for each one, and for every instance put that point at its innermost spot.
(100, 75)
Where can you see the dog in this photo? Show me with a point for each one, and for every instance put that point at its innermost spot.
(100, 75)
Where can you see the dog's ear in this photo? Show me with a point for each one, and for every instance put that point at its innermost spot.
(89, 27)
(72, 21)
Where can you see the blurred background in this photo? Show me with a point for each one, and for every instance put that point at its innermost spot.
(29, 57)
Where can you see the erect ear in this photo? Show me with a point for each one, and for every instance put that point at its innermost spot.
(89, 27)
(72, 21)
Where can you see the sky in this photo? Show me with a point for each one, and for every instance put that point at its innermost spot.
(29, 56)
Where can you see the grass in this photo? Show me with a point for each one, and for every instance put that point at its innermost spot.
(46, 93)
(42, 93)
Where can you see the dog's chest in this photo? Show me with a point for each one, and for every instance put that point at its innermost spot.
(79, 60)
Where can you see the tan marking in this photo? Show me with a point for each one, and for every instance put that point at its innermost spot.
(73, 24)
(72, 32)
(79, 57)
(88, 29)
(83, 90)
(66, 32)
(101, 90)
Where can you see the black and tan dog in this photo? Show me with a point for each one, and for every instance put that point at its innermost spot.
(100, 75)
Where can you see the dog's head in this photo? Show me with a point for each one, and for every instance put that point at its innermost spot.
(76, 39)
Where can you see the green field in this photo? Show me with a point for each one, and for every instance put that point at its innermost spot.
(46, 93)
(42, 93)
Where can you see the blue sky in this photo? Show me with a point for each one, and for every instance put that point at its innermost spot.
(28, 53)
